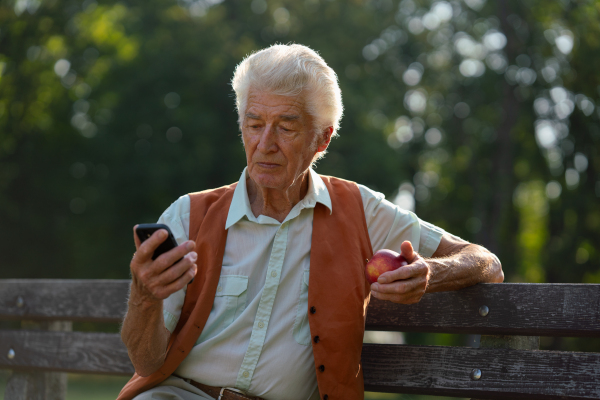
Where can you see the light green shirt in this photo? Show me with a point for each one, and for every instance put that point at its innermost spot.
(257, 337)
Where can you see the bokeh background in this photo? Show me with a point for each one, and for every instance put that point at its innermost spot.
(478, 115)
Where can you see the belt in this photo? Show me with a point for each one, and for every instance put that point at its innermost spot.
(220, 393)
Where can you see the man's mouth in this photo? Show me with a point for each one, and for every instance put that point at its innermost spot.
(267, 165)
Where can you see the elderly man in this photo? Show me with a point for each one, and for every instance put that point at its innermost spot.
(278, 304)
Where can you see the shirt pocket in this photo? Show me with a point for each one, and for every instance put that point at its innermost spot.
(230, 302)
(301, 327)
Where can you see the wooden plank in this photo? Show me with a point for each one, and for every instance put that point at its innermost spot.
(76, 300)
(433, 370)
(83, 352)
(514, 374)
(39, 385)
(514, 309)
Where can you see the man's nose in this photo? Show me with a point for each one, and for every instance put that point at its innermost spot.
(268, 140)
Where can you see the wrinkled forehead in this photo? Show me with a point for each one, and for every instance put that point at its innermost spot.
(263, 104)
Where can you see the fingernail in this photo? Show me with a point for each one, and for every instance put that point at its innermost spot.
(193, 256)
(189, 245)
(163, 233)
(374, 286)
(382, 280)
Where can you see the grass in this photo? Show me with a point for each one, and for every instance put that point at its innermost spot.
(95, 387)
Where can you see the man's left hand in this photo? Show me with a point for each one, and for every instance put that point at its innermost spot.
(405, 285)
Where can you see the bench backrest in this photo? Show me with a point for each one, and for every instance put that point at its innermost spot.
(489, 309)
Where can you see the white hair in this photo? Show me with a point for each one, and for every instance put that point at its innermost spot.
(289, 70)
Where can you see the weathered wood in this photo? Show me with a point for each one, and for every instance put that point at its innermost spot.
(83, 352)
(514, 309)
(388, 368)
(514, 374)
(39, 385)
(509, 342)
(76, 300)
(22, 386)
(36, 385)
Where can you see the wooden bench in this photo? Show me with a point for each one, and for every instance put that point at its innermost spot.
(508, 364)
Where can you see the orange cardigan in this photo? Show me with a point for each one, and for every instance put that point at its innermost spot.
(338, 293)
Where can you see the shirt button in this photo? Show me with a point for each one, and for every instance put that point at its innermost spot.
(313, 310)
(274, 274)
(246, 374)
(321, 368)
(316, 339)
(261, 325)
(325, 397)
(219, 288)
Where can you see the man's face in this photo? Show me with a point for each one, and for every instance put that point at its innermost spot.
(279, 139)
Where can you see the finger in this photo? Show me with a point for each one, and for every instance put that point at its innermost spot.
(174, 272)
(396, 298)
(407, 272)
(406, 249)
(136, 239)
(399, 287)
(172, 256)
(181, 282)
(146, 249)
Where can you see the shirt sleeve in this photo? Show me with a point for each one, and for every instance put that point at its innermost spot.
(390, 225)
(177, 218)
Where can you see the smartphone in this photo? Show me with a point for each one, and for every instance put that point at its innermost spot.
(144, 231)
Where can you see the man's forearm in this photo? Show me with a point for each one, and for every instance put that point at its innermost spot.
(470, 265)
(144, 334)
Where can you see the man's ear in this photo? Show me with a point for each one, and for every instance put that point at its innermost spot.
(324, 138)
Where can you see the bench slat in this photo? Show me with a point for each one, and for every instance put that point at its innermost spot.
(87, 352)
(64, 299)
(433, 370)
(514, 374)
(514, 309)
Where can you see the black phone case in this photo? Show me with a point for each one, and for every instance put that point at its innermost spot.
(144, 231)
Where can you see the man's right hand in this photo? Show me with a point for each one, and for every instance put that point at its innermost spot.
(143, 331)
(155, 280)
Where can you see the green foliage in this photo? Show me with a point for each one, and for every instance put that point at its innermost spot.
(531, 201)
(481, 115)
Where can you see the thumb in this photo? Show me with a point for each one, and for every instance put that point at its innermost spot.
(407, 251)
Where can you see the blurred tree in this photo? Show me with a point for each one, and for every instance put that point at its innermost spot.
(109, 112)
(499, 116)
(481, 116)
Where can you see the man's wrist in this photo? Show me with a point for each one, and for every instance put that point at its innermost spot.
(143, 301)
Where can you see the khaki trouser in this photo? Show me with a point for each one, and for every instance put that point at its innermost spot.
(174, 388)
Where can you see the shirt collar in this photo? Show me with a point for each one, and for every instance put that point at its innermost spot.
(240, 205)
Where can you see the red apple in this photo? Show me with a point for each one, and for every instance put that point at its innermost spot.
(383, 261)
